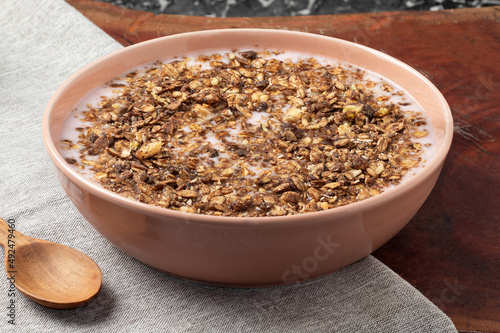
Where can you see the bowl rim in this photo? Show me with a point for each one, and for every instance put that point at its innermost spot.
(433, 166)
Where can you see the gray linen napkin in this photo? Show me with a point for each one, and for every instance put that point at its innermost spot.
(42, 43)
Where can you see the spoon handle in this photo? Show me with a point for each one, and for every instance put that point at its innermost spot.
(8, 234)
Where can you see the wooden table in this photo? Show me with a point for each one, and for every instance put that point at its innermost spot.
(450, 251)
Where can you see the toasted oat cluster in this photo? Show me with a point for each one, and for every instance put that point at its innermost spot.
(247, 134)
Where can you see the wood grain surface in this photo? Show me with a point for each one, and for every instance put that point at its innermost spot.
(450, 251)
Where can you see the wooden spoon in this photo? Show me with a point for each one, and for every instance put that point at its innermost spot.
(51, 274)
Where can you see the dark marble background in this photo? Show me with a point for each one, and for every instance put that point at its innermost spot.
(240, 8)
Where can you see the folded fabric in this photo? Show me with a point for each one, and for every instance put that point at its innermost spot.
(45, 41)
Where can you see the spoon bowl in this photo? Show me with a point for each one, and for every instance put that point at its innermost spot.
(51, 274)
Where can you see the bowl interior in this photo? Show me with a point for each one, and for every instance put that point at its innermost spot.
(108, 67)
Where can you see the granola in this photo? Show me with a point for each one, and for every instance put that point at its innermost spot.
(248, 134)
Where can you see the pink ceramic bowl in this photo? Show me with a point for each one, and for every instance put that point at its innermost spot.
(253, 251)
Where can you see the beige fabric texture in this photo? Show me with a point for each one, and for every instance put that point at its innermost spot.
(42, 43)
